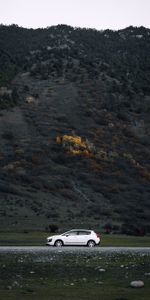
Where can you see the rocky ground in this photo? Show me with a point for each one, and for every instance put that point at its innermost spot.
(75, 274)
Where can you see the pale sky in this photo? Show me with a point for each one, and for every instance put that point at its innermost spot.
(99, 14)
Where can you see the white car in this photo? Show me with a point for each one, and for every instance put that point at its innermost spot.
(75, 237)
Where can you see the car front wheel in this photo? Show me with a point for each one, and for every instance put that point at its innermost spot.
(91, 244)
(58, 243)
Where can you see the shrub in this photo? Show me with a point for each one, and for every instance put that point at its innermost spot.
(108, 228)
(53, 228)
(132, 229)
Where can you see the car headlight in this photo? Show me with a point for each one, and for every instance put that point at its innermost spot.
(49, 240)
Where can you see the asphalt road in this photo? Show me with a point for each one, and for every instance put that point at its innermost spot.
(47, 249)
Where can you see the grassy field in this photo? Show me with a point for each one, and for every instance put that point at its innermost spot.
(39, 239)
(87, 275)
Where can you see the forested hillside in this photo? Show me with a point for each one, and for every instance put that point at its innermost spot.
(74, 128)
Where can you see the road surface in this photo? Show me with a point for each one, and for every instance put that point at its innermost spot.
(47, 249)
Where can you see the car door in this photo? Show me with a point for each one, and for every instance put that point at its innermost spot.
(83, 237)
(70, 238)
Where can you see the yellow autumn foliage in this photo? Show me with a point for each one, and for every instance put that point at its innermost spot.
(74, 139)
(29, 99)
(86, 153)
(75, 144)
(73, 151)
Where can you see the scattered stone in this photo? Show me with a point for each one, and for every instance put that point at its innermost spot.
(84, 279)
(15, 283)
(18, 276)
(9, 287)
(111, 125)
(137, 284)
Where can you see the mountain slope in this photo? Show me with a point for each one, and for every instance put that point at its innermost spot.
(74, 128)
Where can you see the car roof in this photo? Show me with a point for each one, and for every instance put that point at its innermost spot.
(80, 229)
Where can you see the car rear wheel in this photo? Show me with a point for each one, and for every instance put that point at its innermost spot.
(91, 244)
(58, 243)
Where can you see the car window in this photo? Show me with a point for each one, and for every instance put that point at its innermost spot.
(84, 232)
(70, 233)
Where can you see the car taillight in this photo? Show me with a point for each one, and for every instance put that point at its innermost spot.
(98, 235)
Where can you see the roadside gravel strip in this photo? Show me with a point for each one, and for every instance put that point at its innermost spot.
(46, 250)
